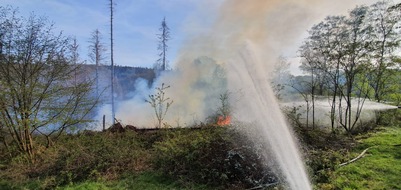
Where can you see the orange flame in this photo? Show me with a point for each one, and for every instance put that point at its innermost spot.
(221, 120)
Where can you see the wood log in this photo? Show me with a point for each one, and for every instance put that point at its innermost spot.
(356, 158)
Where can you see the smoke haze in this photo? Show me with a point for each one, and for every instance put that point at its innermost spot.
(274, 27)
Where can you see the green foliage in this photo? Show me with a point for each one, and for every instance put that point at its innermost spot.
(354, 56)
(389, 117)
(324, 151)
(87, 156)
(393, 88)
(379, 168)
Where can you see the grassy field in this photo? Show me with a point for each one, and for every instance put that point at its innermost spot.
(379, 168)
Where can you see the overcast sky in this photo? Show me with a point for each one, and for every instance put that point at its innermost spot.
(136, 22)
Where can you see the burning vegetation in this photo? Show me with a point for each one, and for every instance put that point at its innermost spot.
(223, 120)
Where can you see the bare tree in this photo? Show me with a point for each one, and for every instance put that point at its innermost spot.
(302, 87)
(160, 104)
(74, 48)
(311, 63)
(96, 54)
(42, 91)
(279, 76)
(163, 38)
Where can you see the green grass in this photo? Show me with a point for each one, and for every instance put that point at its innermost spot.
(380, 168)
(147, 180)
(86, 186)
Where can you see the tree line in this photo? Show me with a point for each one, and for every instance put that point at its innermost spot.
(353, 58)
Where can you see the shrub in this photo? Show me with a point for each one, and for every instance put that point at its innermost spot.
(388, 117)
(77, 158)
(211, 155)
(214, 157)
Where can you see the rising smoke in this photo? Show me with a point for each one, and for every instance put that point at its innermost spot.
(274, 27)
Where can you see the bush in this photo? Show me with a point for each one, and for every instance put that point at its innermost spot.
(204, 157)
(77, 158)
(324, 152)
(389, 117)
(214, 156)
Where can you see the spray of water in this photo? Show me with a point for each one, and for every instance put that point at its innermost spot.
(257, 104)
(323, 108)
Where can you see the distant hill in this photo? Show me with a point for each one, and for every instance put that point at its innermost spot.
(125, 78)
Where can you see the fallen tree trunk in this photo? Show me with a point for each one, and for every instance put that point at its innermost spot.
(356, 158)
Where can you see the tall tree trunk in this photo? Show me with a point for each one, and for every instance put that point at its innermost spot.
(113, 116)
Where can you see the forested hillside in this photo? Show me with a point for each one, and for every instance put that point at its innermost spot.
(126, 78)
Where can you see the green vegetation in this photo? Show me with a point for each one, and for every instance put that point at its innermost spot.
(45, 100)
(206, 157)
(43, 91)
(378, 168)
(349, 59)
(146, 180)
(89, 156)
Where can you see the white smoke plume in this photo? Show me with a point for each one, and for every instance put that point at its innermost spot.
(275, 27)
